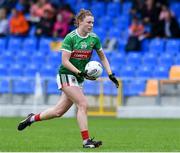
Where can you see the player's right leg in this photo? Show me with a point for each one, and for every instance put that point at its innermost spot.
(58, 110)
(76, 95)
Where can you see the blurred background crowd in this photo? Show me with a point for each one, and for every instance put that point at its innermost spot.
(140, 38)
(132, 21)
(40, 17)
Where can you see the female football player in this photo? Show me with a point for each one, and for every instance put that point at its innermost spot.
(76, 52)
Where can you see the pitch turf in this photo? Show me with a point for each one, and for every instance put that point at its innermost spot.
(117, 135)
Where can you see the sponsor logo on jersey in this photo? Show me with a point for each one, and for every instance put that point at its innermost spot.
(81, 54)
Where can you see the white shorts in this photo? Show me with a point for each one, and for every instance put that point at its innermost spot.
(64, 80)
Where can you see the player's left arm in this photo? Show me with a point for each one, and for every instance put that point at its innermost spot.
(102, 56)
(106, 64)
(104, 61)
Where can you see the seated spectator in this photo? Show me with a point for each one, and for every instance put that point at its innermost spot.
(3, 23)
(61, 28)
(67, 14)
(168, 26)
(136, 34)
(150, 13)
(137, 6)
(163, 12)
(136, 29)
(8, 4)
(38, 9)
(18, 24)
(23, 5)
(45, 26)
(63, 21)
(56, 3)
(162, 2)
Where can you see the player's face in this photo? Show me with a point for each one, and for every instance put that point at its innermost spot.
(87, 24)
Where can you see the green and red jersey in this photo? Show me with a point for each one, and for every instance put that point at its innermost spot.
(81, 49)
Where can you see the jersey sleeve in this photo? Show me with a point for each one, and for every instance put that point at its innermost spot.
(67, 44)
(98, 46)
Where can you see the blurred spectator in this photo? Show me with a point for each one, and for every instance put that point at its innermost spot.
(64, 20)
(56, 3)
(61, 28)
(3, 23)
(150, 15)
(163, 12)
(8, 4)
(2, 2)
(168, 26)
(38, 9)
(45, 26)
(23, 5)
(159, 3)
(136, 29)
(137, 6)
(136, 34)
(150, 12)
(67, 13)
(18, 24)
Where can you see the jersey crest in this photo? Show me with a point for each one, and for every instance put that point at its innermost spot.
(92, 44)
(83, 45)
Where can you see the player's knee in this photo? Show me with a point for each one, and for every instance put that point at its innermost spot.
(58, 113)
(83, 106)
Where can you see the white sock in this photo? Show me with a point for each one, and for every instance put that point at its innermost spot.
(85, 141)
(32, 119)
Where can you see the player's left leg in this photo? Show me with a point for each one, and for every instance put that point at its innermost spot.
(58, 110)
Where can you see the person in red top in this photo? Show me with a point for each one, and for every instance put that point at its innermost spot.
(136, 34)
(61, 28)
(136, 28)
(18, 24)
(37, 10)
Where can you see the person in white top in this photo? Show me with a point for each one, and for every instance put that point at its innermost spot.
(3, 23)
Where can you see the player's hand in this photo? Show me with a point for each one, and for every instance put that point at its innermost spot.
(84, 74)
(114, 80)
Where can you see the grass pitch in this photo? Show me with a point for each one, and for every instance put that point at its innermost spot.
(120, 135)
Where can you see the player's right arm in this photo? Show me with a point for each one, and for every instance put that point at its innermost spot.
(65, 61)
(66, 54)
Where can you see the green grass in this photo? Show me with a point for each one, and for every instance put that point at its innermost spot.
(117, 135)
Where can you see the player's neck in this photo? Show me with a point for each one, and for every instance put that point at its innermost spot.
(81, 33)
